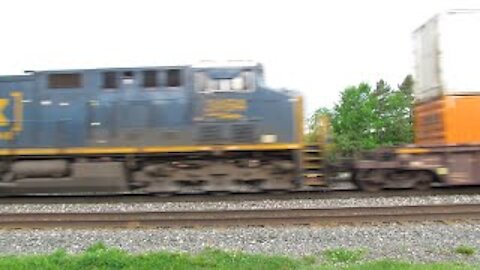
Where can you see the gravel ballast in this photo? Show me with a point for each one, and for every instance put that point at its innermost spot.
(418, 242)
(238, 205)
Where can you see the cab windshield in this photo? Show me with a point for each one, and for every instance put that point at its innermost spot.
(224, 80)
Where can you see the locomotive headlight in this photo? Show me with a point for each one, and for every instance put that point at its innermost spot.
(268, 138)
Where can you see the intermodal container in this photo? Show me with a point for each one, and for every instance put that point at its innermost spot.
(447, 56)
(448, 120)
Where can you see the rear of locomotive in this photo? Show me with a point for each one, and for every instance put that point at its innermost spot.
(205, 129)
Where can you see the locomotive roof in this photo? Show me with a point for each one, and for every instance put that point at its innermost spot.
(109, 69)
(202, 65)
(228, 64)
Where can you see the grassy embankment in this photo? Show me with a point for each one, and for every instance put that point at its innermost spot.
(99, 257)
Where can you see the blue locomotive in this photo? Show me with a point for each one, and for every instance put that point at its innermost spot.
(168, 129)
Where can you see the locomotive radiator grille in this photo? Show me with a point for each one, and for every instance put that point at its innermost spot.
(243, 133)
(210, 134)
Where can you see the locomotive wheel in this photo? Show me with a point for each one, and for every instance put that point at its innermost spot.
(369, 180)
(423, 180)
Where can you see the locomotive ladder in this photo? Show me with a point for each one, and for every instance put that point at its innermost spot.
(312, 164)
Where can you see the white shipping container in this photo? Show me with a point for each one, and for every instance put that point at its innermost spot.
(447, 55)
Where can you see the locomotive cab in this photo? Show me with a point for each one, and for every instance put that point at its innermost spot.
(233, 106)
(222, 94)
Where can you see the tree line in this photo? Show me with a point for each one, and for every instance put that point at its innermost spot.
(365, 118)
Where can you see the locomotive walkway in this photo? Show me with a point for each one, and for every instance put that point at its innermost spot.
(263, 217)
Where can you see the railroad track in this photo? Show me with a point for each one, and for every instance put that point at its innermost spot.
(141, 198)
(263, 217)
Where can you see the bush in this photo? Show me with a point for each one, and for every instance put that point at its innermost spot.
(465, 250)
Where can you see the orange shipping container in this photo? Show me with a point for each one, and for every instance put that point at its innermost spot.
(448, 120)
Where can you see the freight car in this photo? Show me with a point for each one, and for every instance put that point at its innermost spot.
(168, 129)
(447, 111)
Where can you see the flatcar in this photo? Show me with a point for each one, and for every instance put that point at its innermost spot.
(165, 129)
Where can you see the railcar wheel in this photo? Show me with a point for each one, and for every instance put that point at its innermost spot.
(369, 180)
(369, 186)
(423, 180)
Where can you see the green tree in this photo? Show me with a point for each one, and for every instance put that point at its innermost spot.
(354, 119)
(315, 130)
(394, 112)
(406, 88)
(367, 118)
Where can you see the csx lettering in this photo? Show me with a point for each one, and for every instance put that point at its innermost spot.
(228, 109)
(15, 124)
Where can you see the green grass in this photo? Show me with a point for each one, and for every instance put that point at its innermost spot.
(341, 255)
(99, 257)
(465, 250)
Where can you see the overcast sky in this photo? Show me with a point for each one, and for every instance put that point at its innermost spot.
(316, 47)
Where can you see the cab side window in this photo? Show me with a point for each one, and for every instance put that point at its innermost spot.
(110, 80)
(174, 77)
(65, 80)
(150, 78)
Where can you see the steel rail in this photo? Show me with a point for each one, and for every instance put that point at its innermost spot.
(262, 217)
(234, 197)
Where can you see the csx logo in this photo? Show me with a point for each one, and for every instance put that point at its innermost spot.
(227, 109)
(11, 126)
